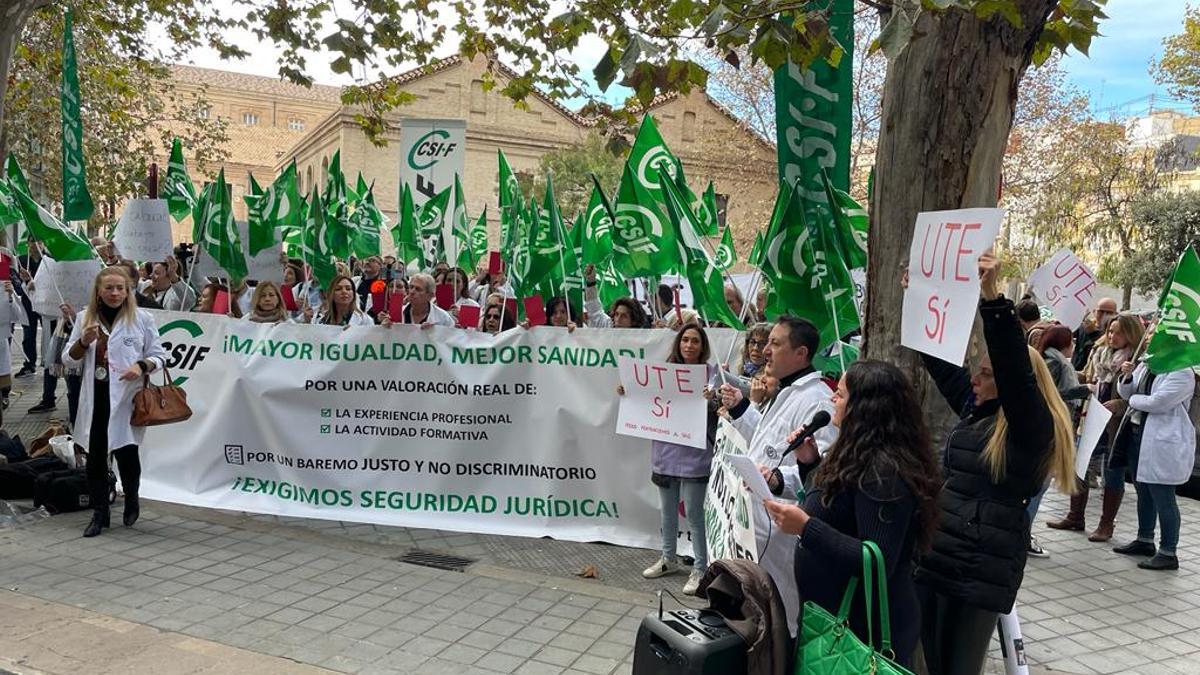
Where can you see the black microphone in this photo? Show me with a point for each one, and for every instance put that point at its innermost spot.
(818, 422)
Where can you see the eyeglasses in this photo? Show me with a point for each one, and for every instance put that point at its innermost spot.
(756, 343)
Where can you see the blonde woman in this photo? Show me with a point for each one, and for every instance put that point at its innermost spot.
(341, 306)
(1014, 435)
(267, 304)
(115, 344)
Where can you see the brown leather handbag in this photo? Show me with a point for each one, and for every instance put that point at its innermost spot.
(159, 404)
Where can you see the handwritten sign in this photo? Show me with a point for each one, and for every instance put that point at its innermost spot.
(663, 401)
(728, 504)
(1066, 285)
(943, 286)
(58, 282)
(266, 266)
(144, 231)
(1091, 427)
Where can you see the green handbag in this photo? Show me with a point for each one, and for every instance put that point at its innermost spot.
(827, 646)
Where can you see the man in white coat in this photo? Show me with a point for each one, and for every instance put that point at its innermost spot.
(802, 394)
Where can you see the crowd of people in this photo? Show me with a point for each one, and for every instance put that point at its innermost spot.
(954, 525)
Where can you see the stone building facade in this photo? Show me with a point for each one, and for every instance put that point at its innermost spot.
(273, 123)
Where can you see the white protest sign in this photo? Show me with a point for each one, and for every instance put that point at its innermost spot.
(144, 231)
(1067, 285)
(438, 429)
(943, 280)
(750, 474)
(266, 266)
(663, 402)
(1091, 428)
(728, 504)
(58, 282)
(6, 309)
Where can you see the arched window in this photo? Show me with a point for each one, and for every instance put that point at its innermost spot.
(324, 170)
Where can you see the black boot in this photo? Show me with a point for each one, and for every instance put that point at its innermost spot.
(1160, 561)
(1136, 547)
(132, 509)
(99, 522)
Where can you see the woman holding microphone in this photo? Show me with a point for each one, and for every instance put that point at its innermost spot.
(116, 344)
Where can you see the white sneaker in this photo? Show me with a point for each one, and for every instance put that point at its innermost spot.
(693, 583)
(661, 568)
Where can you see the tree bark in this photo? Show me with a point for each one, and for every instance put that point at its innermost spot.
(948, 105)
(13, 16)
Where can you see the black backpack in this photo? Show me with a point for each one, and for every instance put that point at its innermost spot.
(17, 480)
(12, 448)
(66, 491)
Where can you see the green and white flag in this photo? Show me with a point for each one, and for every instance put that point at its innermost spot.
(703, 273)
(1175, 344)
(726, 253)
(11, 219)
(221, 239)
(852, 224)
(405, 232)
(597, 228)
(314, 245)
(433, 214)
(479, 242)
(707, 214)
(366, 220)
(178, 189)
(284, 205)
(338, 228)
(460, 229)
(643, 241)
(260, 229)
(77, 202)
(61, 242)
(511, 208)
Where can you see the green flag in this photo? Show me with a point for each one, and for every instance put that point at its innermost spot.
(221, 239)
(77, 202)
(643, 241)
(703, 273)
(839, 357)
(404, 234)
(433, 214)
(852, 224)
(338, 227)
(1175, 344)
(283, 201)
(460, 229)
(726, 254)
(478, 242)
(9, 211)
(366, 221)
(650, 159)
(707, 214)
(314, 245)
(756, 251)
(511, 209)
(597, 228)
(178, 189)
(61, 242)
(261, 230)
(542, 242)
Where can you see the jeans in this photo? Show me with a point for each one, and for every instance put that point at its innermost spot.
(1157, 500)
(1036, 502)
(693, 503)
(29, 339)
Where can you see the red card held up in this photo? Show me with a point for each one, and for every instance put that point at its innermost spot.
(510, 308)
(289, 298)
(378, 301)
(495, 264)
(395, 308)
(535, 311)
(221, 302)
(468, 317)
(445, 296)
(5, 268)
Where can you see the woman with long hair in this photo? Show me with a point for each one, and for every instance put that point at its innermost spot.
(682, 470)
(266, 306)
(341, 305)
(115, 344)
(878, 482)
(1015, 433)
(495, 320)
(1117, 346)
(560, 314)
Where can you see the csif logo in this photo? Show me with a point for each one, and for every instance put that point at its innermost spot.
(182, 353)
(429, 149)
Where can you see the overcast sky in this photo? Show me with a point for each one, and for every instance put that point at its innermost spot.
(1115, 74)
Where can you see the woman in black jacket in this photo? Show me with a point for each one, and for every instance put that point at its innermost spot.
(1014, 434)
(878, 482)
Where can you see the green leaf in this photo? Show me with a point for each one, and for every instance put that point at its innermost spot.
(606, 69)
(712, 23)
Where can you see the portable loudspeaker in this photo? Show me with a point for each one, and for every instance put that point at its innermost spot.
(688, 642)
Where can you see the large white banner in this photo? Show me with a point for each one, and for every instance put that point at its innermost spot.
(437, 428)
(943, 280)
(432, 152)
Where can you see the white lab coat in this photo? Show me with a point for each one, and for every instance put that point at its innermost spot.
(128, 343)
(1168, 450)
(768, 430)
(438, 317)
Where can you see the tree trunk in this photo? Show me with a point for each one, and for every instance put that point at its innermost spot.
(948, 105)
(13, 16)
(1126, 297)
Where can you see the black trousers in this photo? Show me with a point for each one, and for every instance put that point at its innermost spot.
(954, 635)
(128, 464)
(29, 337)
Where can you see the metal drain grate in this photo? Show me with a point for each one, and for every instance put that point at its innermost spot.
(439, 561)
